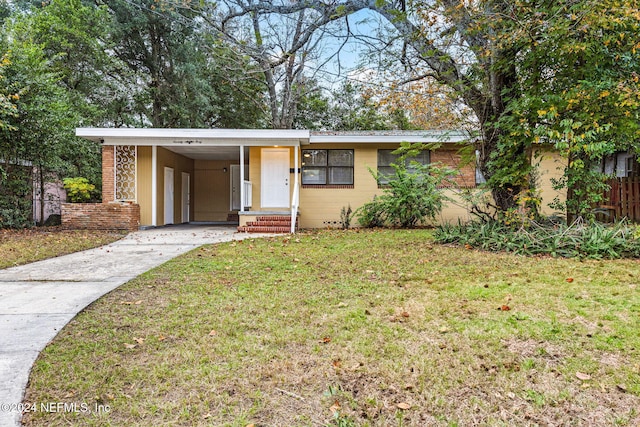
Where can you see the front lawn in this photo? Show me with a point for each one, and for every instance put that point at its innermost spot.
(23, 246)
(380, 328)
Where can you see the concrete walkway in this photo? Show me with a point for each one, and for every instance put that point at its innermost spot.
(38, 299)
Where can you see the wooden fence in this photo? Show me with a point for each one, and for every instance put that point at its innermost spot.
(623, 199)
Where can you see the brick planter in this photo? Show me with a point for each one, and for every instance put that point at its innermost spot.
(101, 216)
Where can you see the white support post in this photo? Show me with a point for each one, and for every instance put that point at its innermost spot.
(296, 191)
(154, 186)
(242, 195)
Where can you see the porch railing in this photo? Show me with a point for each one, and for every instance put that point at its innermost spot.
(247, 193)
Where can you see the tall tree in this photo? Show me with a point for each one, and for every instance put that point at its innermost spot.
(174, 77)
(282, 47)
(476, 50)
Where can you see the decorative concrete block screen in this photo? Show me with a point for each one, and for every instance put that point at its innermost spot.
(101, 216)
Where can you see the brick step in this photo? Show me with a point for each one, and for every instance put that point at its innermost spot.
(270, 223)
(263, 229)
(274, 218)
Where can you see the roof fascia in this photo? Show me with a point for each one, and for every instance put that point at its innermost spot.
(427, 137)
(200, 137)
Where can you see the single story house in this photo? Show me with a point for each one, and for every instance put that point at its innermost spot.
(263, 178)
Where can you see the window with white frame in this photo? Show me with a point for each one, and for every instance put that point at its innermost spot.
(327, 167)
(386, 158)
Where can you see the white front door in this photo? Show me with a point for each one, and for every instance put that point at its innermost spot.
(275, 178)
(168, 195)
(186, 196)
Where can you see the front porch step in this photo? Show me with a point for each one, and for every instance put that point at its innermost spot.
(263, 229)
(270, 223)
(267, 224)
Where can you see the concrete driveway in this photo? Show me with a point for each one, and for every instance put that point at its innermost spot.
(38, 299)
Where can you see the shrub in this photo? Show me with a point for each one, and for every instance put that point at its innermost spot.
(371, 214)
(409, 198)
(79, 190)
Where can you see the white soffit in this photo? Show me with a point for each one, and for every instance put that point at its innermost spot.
(194, 137)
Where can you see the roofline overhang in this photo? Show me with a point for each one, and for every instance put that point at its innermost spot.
(197, 137)
(424, 137)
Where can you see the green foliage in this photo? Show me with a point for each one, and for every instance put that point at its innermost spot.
(576, 89)
(79, 190)
(578, 240)
(15, 196)
(410, 197)
(371, 214)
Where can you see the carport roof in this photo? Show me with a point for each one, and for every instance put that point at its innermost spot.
(194, 137)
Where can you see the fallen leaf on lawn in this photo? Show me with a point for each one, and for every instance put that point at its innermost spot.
(250, 425)
(325, 340)
(504, 308)
(404, 314)
(161, 338)
(468, 246)
(129, 346)
(138, 302)
(126, 302)
(569, 279)
(621, 388)
(139, 340)
(213, 333)
(337, 363)
(403, 405)
(207, 415)
(582, 376)
(335, 407)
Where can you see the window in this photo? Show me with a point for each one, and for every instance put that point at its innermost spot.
(386, 158)
(327, 167)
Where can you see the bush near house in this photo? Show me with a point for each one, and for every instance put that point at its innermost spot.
(411, 196)
(79, 190)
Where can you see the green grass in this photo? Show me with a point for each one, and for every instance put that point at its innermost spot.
(379, 328)
(23, 246)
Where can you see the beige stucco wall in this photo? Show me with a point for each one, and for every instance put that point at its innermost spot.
(211, 196)
(550, 165)
(320, 207)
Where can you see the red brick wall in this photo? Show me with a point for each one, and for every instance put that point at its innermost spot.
(108, 174)
(101, 216)
(451, 158)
